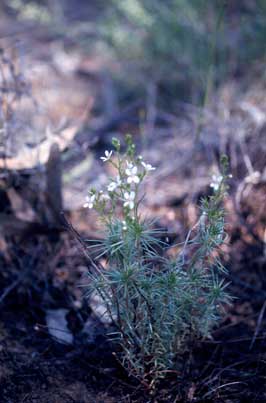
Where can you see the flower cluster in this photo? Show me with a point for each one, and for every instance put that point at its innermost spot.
(123, 190)
(216, 182)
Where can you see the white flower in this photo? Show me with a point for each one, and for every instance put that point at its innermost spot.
(103, 196)
(131, 172)
(124, 227)
(148, 167)
(108, 155)
(89, 201)
(113, 185)
(216, 181)
(129, 200)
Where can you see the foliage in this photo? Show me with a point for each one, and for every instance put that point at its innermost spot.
(184, 44)
(158, 304)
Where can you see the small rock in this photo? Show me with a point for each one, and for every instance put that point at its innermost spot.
(99, 309)
(57, 325)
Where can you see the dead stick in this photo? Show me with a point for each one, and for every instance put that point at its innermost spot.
(258, 325)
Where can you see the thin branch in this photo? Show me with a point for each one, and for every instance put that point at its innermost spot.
(258, 325)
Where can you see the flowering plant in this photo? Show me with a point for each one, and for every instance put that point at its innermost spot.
(123, 190)
(158, 304)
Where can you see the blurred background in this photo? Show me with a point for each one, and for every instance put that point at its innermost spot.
(187, 79)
